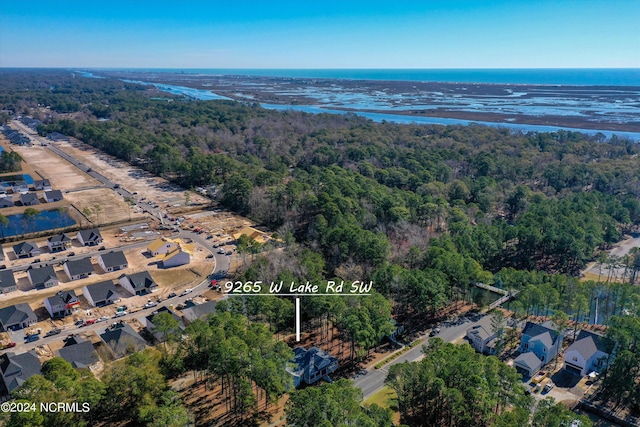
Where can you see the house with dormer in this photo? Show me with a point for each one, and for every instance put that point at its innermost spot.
(541, 340)
(309, 366)
(61, 304)
(18, 368)
(42, 185)
(482, 337)
(17, 316)
(59, 243)
(138, 283)
(590, 352)
(26, 250)
(90, 237)
(29, 199)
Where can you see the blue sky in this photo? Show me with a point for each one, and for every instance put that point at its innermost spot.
(321, 34)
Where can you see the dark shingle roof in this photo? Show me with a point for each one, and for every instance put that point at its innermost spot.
(533, 330)
(53, 194)
(24, 248)
(102, 291)
(17, 313)
(588, 343)
(113, 259)
(123, 340)
(59, 238)
(80, 266)
(312, 359)
(141, 280)
(41, 275)
(17, 368)
(63, 296)
(79, 353)
(90, 235)
(528, 359)
(199, 311)
(29, 198)
(6, 279)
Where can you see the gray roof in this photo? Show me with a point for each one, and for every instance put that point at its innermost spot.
(41, 275)
(544, 338)
(533, 330)
(28, 198)
(63, 296)
(588, 343)
(141, 280)
(528, 359)
(80, 266)
(164, 309)
(17, 368)
(102, 290)
(6, 279)
(6, 202)
(41, 183)
(17, 313)
(59, 238)
(312, 359)
(123, 340)
(53, 194)
(90, 235)
(199, 311)
(24, 248)
(79, 353)
(113, 259)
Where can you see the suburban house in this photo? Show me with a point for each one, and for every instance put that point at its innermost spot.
(6, 202)
(79, 353)
(61, 304)
(113, 261)
(42, 277)
(198, 311)
(257, 235)
(26, 250)
(527, 364)
(16, 317)
(59, 243)
(162, 246)
(101, 294)
(17, 368)
(590, 352)
(29, 199)
(53, 196)
(151, 327)
(41, 185)
(20, 187)
(57, 137)
(482, 337)
(78, 269)
(7, 282)
(138, 283)
(311, 365)
(543, 341)
(89, 237)
(122, 340)
(175, 257)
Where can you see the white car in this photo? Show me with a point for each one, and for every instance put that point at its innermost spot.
(186, 291)
(102, 319)
(121, 313)
(150, 304)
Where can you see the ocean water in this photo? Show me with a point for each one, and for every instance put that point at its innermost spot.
(520, 76)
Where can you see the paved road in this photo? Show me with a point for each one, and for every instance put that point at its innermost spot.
(373, 380)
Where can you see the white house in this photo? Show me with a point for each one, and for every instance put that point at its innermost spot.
(59, 243)
(175, 257)
(113, 261)
(26, 250)
(590, 352)
(161, 246)
(7, 282)
(543, 341)
(78, 269)
(61, 304)
(89, 237)
(53, 196)
(482, 337)
(138, 283)
(101, 294)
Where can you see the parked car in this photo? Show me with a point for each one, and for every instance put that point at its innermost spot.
(172, 295)
(52, 332)
(89, 322)
(434, 332)
(121, 313)
(31, 338)
(9, 345)
(547, 388)
(186, 291)
(150, 304)
(102, 319)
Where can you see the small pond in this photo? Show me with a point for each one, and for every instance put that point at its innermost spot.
(45, 220)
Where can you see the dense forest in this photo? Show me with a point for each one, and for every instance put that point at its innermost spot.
(423, 211)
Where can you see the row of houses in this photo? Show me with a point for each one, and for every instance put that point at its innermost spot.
(63, 303)
(22, 187)
(15, 137)
(57, 243)
(31, 199)
(541, 343)
(46, 277)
